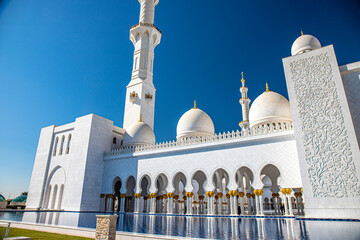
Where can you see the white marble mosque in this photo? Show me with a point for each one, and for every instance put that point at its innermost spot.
(297, 157)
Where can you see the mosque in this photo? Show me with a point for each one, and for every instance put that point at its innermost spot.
(297, 157)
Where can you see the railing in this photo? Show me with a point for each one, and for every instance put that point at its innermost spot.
(200, 140)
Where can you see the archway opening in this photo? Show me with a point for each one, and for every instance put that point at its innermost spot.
(270, 177)
(244, 178)
(116, 190)
(130, 192)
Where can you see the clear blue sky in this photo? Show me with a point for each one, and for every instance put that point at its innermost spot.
(64, 59)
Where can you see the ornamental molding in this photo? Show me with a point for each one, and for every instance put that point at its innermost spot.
(331, 168)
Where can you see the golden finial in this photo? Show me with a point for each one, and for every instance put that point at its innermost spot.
(267, 87)
(242, 75)
(194, 103)
(140, 120)
(302, 34)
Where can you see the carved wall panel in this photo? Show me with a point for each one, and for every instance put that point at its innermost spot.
(331, 167)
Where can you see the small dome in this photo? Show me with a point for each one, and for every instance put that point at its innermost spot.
(2, 198)
(270, 107)
(138, 134)
(194, 123)
(21, 198)
(305, 43)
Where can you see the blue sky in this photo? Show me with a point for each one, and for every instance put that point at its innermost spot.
(64, 59)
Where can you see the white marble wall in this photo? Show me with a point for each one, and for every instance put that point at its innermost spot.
(80, 169)
(253, 152)
(350, 74)
(41, 169)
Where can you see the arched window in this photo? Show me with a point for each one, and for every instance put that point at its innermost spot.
(62, 145)
(68, 144)
(55, 146)
(114, 140)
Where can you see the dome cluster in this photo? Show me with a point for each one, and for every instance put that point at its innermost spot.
(270, 108)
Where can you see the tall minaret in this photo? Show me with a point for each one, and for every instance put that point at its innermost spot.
(140, 93)
(245, 103)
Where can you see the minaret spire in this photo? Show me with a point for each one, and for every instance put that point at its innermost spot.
(147, 11)
(140, 94)
(245, 103)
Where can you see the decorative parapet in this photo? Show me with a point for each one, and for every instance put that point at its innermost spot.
(202, 140)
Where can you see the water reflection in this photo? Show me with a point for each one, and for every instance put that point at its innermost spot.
(201, 227)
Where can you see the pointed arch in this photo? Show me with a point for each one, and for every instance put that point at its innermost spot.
(56, 178)
(161, 182)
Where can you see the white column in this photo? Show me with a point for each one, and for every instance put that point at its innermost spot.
(164, 204)
(148, 204)
(201, 205)
(122, 202)
(261, 205)
(210, 196)
(228, 206)
(285, 205)
(189, 199)
(152, 202)
(290, 206)
(170, 209)
(254, 204)
(176, 207)
(257, 204)
(242, 203)
(278, 204)
(137, 202)
(275, 205)
(233, 203)
(249, 210)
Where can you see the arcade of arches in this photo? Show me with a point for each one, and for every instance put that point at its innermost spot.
(170, 195)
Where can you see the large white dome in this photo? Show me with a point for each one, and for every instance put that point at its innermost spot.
(194, 123)
(269, 108)
(139, 133)
(305, 43)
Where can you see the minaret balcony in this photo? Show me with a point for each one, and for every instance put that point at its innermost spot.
(244, 101)
(133, 97)
(146, 24)
(148, 98)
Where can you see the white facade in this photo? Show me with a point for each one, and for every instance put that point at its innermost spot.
(271, 166)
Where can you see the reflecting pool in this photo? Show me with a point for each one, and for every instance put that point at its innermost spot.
(201, 227)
